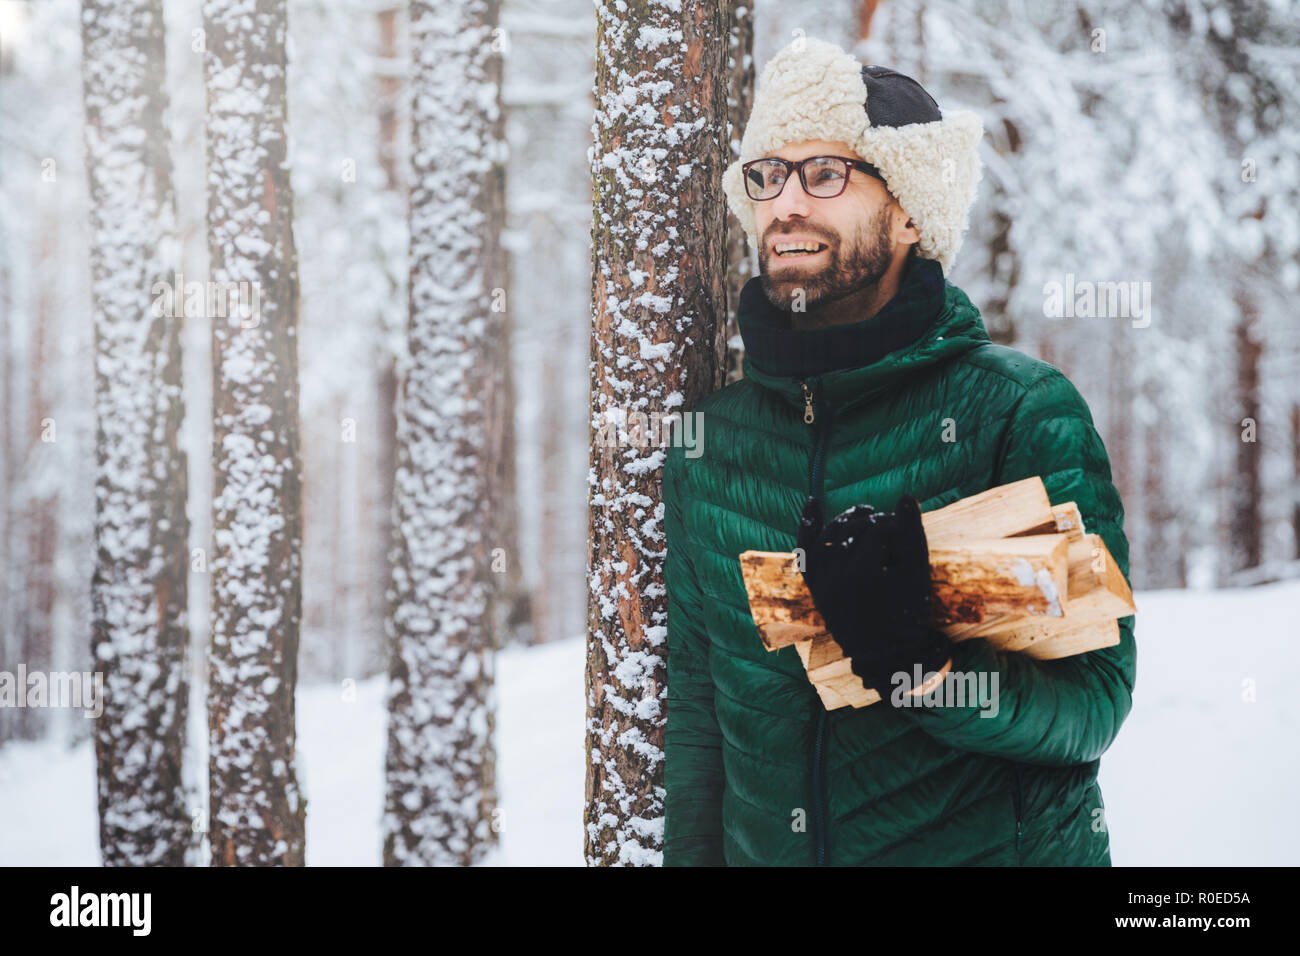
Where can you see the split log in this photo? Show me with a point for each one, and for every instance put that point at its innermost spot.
(1097, 592)
(832, 674)
(973, 580)
(977, 578)
(816, 653)
(831, 699)
(1020, 507)
(779, 601)
(1066, 519)
(1076, 640)
(849, 687)
(819, 652)
(1007, 566)
(1097, 585)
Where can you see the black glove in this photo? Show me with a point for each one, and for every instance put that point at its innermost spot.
(869, 575)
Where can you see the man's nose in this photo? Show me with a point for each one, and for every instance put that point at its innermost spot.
(793, 201)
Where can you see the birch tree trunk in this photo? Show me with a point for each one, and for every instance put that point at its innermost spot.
(659, 305)
(440, 766)
(139, 586)
(256, 812)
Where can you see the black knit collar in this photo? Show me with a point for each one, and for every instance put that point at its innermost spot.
(777, 349)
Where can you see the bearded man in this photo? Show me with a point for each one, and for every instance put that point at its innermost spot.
(871, 391)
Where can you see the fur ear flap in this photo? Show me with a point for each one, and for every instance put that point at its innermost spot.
(969, 125)
(932, 170)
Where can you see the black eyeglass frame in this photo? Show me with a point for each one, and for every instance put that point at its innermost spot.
(797, 164)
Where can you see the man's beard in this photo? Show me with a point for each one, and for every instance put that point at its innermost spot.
(866, 265)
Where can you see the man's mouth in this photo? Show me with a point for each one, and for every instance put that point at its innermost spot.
(797, 250)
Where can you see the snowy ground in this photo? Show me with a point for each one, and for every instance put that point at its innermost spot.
(47, 792)
(1200, 774)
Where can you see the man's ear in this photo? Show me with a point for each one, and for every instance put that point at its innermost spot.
(905, 231)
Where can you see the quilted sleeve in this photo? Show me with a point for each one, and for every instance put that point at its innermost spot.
(693, 771)
(1056, 712)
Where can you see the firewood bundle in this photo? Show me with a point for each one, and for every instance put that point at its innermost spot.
(1006, 565)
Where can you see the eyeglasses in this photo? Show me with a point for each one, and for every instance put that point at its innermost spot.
(824, 177)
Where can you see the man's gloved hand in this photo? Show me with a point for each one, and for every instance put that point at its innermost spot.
(869, 574)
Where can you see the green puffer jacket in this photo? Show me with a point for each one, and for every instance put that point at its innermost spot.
(757, 772)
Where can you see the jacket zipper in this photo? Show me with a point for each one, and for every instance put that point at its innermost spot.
(823, 428)
(1017, 794)
(816, 470)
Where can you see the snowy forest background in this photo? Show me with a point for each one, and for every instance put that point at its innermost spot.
(1148, 140)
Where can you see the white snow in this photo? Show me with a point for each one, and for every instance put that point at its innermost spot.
(47, 792)
(1199, 775)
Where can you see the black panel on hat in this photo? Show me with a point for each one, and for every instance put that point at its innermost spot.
(897, 100)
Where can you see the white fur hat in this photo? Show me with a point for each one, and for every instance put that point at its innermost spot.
(815, 90)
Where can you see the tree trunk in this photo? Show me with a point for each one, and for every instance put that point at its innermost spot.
(10, 591)
(1119, 416)
(513, 613)
(389, 90)
(1246, 488)
(659, 245)
(547, 609)
(38, 497)
(256, 811)
(740, 99)
(1295, 480)
(1004, 270)
(386, 381)
(1162, 527)
(440, 766)
(866, 13)
(139, 587)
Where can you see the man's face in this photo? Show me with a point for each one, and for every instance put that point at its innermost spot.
(856, 229)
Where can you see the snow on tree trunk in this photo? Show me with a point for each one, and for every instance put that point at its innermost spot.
(141, 530)
(659, 257)
(440, 766)
(256, 812)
